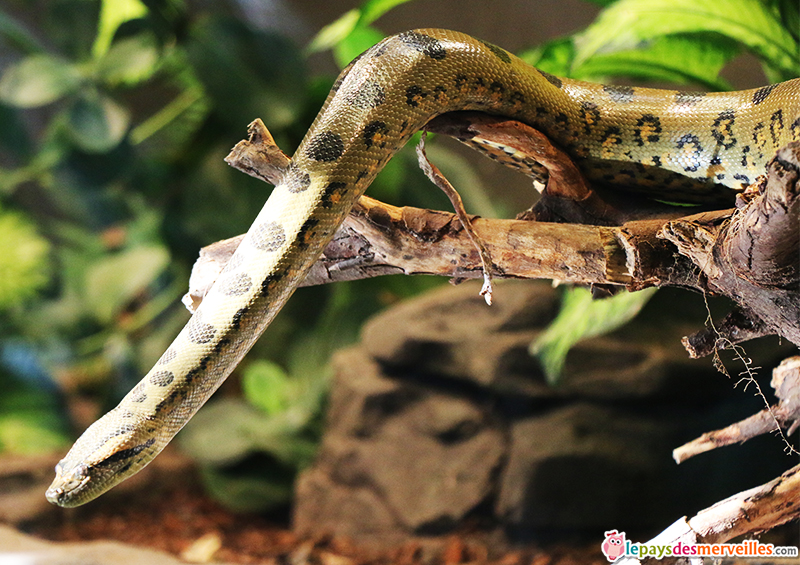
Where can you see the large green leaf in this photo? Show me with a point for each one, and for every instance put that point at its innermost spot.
(351, 34)
(267, 386)
(130, 60)
(681, 59)
(96, 123)
(357, 41)
(113, 282)
(336, 31)
(270, 487)
(555, 57)
(37, 80)
(581, 317)
(114, 13)
(371, 10)
(627, 23)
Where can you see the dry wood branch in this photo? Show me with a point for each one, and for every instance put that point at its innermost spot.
(379, 239)
(753, 258)
(749, 512)
(786, 383)
(752, 511)
(437, 178)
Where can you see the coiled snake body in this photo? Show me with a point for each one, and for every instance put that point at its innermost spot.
(676, 145)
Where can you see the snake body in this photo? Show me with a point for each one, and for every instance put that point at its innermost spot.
(676, 145)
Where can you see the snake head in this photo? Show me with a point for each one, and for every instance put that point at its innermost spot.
(106, 454)
(68, 483)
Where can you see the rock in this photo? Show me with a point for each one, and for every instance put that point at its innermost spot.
(454, 452)
(440, 421)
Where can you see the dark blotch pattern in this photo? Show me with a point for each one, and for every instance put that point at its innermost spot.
(307, 232)
(691, 143)
(415, 95)
(198, 331)
(333, 194)
(611, 136)
(426, 44)
(591, 116)
(221, 345)
(689, 98)
(776, 126)
(268, 284)
(552, 79)
(296, 180)
(237, 318)
(620, 94)
(138, 394)
(268, 236)
(370, 94)
(326, 146)
(722, 129)
(162, 378)
(498, 52)
(235, 285)
(124, 454)
(647, 130)
(374, 133)
(168, 356)
(761, 94)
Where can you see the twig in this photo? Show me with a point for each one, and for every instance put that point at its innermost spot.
(437, 178)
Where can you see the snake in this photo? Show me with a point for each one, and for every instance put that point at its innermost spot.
(672, 145)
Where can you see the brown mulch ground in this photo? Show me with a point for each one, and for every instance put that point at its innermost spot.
(168, 511)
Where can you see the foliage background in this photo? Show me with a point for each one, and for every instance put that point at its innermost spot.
(114, 119)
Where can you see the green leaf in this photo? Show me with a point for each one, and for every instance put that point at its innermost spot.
(114, 13)
(228, 430)
(24, 265)
(683, 58)
(113, 282)
(626, 24)
(350, 35)
(269, 489)
(222, 432)
(129, 61)
(335, 32)
(266, 386)
(374, 9)
(358, 41)
(554, 57)
(581, 317)
(96, 123)
(37, 80)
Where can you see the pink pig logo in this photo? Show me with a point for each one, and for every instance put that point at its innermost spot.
(614, 545)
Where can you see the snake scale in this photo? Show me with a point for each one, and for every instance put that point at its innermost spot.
(675, 145)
